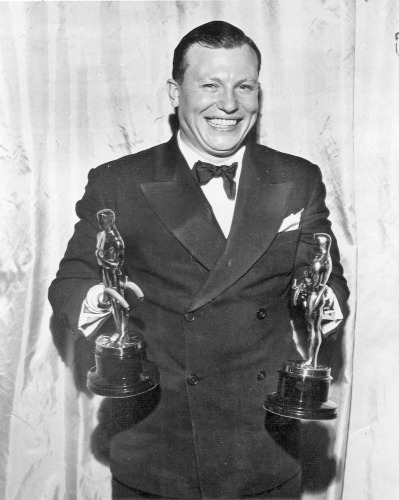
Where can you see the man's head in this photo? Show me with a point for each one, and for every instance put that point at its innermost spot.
(215, 88)
(214, 35)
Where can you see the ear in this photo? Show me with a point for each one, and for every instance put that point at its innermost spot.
(173, 89)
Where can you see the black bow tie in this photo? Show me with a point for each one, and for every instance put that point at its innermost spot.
(204, 172)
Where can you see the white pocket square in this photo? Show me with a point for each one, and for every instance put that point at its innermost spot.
(291, 222)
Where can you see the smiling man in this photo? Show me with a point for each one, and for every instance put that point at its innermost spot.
(217, 98)
(216, 227)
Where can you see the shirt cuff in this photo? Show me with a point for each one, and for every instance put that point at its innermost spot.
(93, 313)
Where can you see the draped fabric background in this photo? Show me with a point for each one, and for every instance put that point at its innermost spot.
(83, 83)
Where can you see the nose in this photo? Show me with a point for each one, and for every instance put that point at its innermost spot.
(228, 101)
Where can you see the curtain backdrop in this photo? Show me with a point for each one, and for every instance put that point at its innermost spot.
(82, 83)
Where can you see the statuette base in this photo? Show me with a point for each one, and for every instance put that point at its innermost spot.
(302, 393)
(122, 370)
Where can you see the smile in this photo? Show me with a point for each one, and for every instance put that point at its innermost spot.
(221, 122)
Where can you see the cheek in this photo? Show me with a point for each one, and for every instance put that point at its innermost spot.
(196, 102)
(193, 112)
(253, 108)
(251, 105)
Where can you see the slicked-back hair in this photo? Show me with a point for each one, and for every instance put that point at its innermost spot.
(214, 35)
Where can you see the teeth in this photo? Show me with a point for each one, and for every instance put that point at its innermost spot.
(220, 122)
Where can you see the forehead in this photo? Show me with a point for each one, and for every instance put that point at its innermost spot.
(205, 61)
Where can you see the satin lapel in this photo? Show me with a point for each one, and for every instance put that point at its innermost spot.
(260, 209)
(179, 202)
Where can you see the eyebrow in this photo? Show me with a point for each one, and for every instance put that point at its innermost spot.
(243, 80)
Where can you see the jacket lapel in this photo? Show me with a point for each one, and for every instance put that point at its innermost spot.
(179, 202)
(260, 209)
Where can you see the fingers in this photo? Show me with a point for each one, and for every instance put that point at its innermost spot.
(113, 294)
(135, 289)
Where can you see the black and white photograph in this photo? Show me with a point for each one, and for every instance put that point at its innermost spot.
(199, 269)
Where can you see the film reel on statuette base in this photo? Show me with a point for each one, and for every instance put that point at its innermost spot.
(302, 393)
(122, 370)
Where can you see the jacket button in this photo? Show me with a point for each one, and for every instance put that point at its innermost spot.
(261, 314)
(261, 376)
(189, 317)
(192, 379)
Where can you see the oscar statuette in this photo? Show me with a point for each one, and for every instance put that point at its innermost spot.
(304, 385)
(122, 369)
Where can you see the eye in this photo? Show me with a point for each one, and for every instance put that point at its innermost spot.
(211, 86)
(246, 87)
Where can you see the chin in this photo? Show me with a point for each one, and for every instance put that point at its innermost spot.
(226, 145)
(225, 149)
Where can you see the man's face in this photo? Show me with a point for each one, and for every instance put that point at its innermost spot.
(217, 99)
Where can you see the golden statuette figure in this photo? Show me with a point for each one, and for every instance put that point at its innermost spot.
(304, 385)
(122, 369)
(310, 294)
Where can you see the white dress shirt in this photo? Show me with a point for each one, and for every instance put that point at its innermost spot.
(222, 207)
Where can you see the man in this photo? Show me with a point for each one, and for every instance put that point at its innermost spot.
(215, 258)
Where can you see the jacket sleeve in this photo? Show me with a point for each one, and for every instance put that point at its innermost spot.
(79, 270)
(315, 220)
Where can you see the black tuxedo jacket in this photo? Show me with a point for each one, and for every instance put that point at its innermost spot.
(216, 315)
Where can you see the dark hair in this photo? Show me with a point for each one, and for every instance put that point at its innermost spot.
(216, 34)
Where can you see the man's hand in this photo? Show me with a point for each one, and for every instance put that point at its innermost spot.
(328, 313)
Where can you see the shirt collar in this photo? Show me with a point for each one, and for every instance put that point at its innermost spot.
(192, 156)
